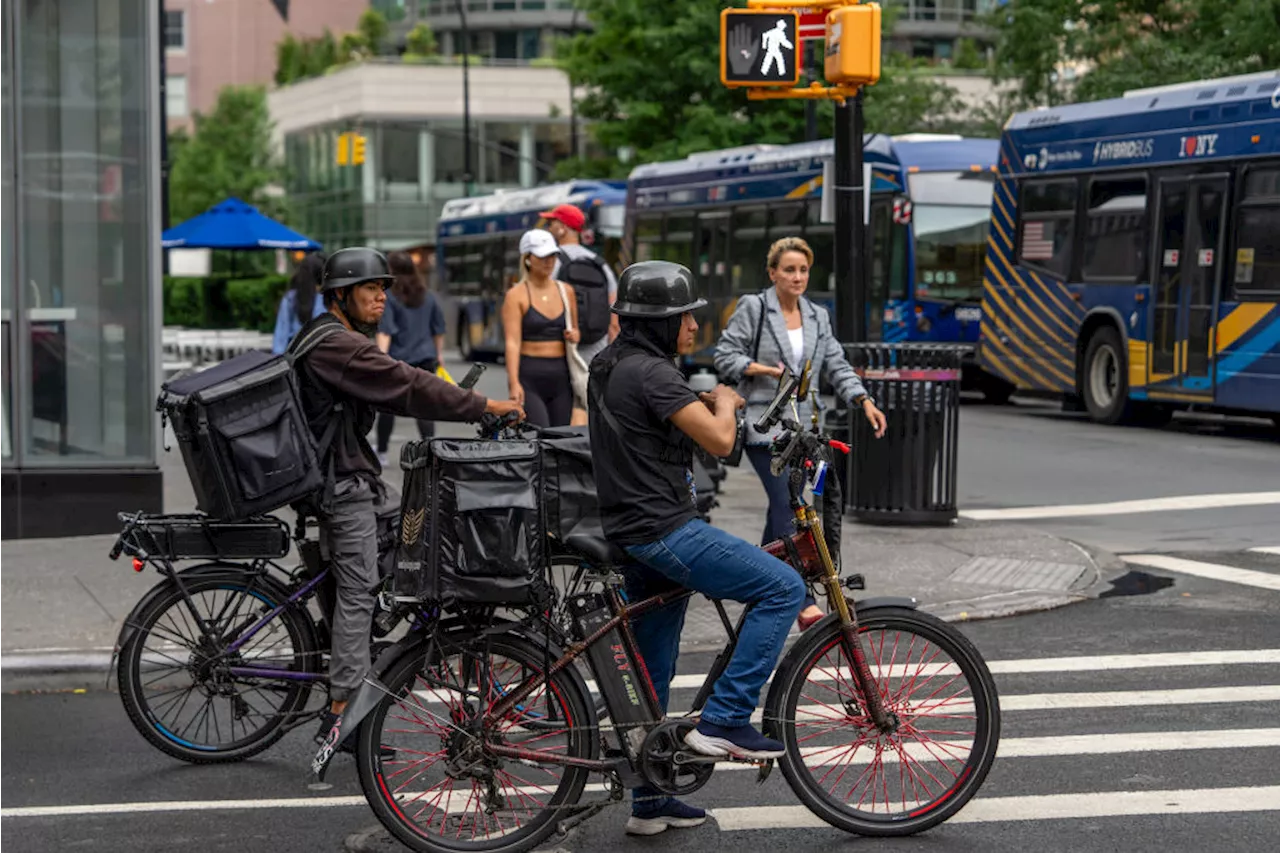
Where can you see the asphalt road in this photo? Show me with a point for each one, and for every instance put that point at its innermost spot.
(1194, 762)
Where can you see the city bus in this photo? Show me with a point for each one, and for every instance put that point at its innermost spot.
(928, 214)
(477, 252)
(1134, 257)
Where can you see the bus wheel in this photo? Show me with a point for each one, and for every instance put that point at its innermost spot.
(1106, 377)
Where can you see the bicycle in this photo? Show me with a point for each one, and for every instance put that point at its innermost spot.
(502, 716)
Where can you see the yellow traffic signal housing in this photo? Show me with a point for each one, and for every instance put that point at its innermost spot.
(344, 149)
(357, 149)
(853, 45)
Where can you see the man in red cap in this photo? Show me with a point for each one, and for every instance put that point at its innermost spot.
(593, 282)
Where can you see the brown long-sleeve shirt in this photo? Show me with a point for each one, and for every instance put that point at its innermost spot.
(354, 370)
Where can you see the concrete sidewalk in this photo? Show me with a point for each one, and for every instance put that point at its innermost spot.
(63, 600)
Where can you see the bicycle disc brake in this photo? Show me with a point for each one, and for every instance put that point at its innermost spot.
(658, 760)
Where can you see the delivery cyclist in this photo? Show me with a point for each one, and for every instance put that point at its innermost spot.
(347, 377)
(646, 421)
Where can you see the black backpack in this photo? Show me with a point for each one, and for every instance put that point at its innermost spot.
(591, 288)
(244, 434)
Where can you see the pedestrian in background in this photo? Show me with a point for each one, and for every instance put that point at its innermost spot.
(781, 328)
(301, 301)
(411, 330)
(539, 321)
(593, 282)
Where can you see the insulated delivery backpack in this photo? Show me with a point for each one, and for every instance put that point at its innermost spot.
(591, 288)
(243, 434)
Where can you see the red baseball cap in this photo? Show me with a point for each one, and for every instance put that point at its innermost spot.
(568, 214)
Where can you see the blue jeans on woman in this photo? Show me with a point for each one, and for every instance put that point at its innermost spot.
(703, 558)
(778, 518)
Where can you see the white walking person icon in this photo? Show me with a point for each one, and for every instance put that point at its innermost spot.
(774, 41)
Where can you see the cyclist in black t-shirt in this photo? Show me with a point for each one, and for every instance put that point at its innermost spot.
(646, 421)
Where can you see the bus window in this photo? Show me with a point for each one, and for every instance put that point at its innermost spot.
(750, 249)
(678, 247)
(951, 212)
(1115, 242)
(648, 232)
(821, 238)
(786, 220)
(1047, 217)
(1257, 269)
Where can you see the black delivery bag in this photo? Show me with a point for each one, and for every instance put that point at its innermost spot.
(569, 484)
(243, 436)
(472, 526)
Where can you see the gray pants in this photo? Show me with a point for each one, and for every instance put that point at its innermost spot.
(349, 534)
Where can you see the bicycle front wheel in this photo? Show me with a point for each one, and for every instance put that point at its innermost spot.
(423, 755)
(849, 773)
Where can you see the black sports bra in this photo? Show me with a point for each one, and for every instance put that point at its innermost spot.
(536, 326)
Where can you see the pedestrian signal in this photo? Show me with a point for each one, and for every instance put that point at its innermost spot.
(759, 48)
(853, 45)
(344, 149)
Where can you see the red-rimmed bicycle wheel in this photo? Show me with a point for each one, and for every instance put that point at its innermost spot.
(423, 763)
(842, 767)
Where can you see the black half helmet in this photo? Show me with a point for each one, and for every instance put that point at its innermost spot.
(654, 290)
(346, 267)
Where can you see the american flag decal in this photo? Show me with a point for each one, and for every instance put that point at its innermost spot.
(1037, 241)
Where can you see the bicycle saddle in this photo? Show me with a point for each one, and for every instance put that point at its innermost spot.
(589, 541)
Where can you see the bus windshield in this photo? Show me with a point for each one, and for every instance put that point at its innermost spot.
(951, 212)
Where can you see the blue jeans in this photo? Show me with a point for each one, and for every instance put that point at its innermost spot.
(703, 558)
(779, 518)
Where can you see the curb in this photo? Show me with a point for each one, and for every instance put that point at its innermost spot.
(65, 670)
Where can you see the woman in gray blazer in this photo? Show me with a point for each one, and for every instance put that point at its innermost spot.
(781, 327)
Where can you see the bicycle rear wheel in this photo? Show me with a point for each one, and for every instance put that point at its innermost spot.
(175, 679)
(842, 767)
(422, 755)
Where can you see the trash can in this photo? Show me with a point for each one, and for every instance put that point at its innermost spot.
(909, 475)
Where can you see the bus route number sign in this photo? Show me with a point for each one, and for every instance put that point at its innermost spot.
(759, 48)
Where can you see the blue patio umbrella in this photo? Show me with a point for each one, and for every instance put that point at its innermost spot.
(233, 224)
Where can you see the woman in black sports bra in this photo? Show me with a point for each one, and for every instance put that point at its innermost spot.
(533, 319)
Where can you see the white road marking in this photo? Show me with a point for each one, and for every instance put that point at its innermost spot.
(1170, 504)
(1048, 807)
(1266, 549)
(1213, 571)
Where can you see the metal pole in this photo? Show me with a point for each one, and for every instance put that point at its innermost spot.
(573, 105)
(851, 288)
(809, 51)
(164, 144)
(468, 174)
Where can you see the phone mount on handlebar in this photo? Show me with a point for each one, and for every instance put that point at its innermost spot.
(787, 385)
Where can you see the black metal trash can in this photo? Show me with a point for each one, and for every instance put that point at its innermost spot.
(909, 475)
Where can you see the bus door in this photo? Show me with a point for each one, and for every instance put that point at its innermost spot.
(889, 307)
(710, 266)
(1189, 265)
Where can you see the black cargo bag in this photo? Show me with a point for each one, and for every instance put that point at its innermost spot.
(472, 526)
(569, 483)
(243, 436)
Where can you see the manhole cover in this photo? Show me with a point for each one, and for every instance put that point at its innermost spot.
(1008, 573)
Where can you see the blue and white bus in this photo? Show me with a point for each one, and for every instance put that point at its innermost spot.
(477, 256)
(928, 214)
(1134, 258)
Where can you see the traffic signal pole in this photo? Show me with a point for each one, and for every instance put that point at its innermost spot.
(851, 233)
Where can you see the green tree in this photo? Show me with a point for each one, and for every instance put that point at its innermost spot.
(420, 42)
(229, 154)
(968, 57)
(323, 53)
(372, 30)
(291, 58)
(647, 76)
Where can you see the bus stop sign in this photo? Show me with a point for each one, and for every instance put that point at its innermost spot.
(759, 48)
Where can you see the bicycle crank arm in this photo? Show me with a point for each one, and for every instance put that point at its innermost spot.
(683, 757)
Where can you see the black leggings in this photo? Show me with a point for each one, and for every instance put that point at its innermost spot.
(548, 391)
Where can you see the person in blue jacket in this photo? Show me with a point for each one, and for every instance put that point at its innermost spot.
(300, 303)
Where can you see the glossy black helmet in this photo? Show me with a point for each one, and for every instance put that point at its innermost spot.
(346, 267)
(653, 290)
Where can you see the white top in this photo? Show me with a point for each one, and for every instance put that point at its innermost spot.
(797, 344)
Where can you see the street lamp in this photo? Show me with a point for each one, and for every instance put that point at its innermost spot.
(466, 102)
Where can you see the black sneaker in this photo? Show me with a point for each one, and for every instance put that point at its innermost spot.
(741, 742)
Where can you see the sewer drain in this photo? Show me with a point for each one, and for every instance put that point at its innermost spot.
(1017, 574)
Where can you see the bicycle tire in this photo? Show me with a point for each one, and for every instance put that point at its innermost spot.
(783, 716)
(378, 774)
(133, 682)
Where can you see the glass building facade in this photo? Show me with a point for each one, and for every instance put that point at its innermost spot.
(80, 264)
(393, 200)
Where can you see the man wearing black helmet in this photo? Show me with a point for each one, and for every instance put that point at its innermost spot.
(343, 380)
(646, 420)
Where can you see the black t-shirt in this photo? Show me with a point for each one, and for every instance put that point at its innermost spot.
(644, 478)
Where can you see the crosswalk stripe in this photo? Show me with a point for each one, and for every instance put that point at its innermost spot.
(1169, 504)
(1266, 549)
(1213, 571)
(1047, 807)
